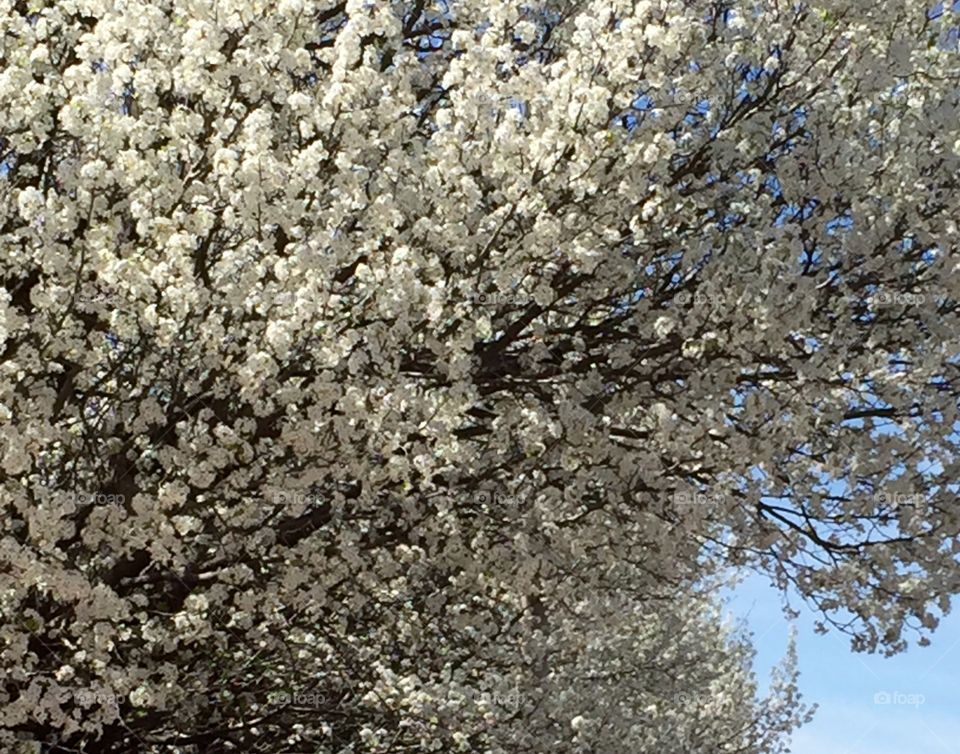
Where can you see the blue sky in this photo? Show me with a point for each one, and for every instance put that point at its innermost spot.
(923, 713)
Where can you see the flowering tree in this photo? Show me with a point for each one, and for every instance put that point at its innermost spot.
(428, 357)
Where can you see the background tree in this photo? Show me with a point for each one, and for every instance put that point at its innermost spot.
(357, 346)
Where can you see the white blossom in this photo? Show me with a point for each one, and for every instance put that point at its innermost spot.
(439, 360)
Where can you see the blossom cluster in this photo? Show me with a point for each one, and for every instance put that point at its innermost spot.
(257, 383)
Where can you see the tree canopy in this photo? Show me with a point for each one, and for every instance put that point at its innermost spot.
(401, 376)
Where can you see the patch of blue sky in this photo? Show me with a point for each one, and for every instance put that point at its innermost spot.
(939, 9)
